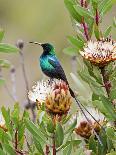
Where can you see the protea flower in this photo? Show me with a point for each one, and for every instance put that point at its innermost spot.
(85, 128)
(54, 94)
(100, 52)
(2, 122)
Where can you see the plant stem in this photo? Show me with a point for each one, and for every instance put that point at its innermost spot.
(84, 4)
(106, 82)
(47, 150)
(54, 144)
(97, 17)
(16, 139)
(85, 29)
(20, 45)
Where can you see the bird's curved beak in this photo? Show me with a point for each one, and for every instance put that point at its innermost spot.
(35, 43)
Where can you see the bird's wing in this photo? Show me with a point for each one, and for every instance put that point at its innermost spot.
(59, 72)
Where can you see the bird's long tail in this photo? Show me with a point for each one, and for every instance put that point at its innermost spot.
(81, 106)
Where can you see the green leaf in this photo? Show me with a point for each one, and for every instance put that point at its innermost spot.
(38, 145)
(112, 153)
(7, 48)
(2, 81)
(67, 150)
(9, 149)
(35, 131)
(108, 105)
(1, 34)
(15, 115)
(105, 106)
(94, 72)
(2, 152)
(65, 119)
(96, 32)
(107, 32)
(21, 130)
(109, 144)
(114, 22)
(73, 142)
(79, 151)
(4, 136)
(4, 63)
(6, 115)
(105, 6)
(102, 148)
(71, 127)
(75, 42)
(90, 23)
(92, 144)
(95, 4)
(70, 6)
(113, 94)
(111, 133)
(70, 51)
(50, 126)
(59, 134)
(95, 87)
(83, 12)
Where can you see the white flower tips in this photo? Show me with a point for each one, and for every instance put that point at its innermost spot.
(100, 52)
(54, 94)
(2, 122)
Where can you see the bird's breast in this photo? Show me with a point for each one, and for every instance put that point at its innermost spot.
(46, 67)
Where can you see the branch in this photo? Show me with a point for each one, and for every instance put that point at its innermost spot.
(54, 144)
(106, 82)
(84, 4)
(97, 17)
(85, 29)
(20, 45)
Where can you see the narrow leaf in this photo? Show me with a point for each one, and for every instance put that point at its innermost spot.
(4, 63)
(7, 48)
(38, 146)
(1, 34)
(71, 127)
(2, 152)
(75, 42)
(96, 32)
(83, 12)
(70, 6)
(70, 51)
(50, 126)
(107, 32)
(59, 134)
(2, 81)
(35, 131)
(106, 5)
(9, 149)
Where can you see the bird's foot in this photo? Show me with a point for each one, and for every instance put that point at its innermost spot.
(50, 81)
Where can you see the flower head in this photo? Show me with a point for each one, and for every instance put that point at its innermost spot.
(100, 52)
(85, 128)
(55, 94)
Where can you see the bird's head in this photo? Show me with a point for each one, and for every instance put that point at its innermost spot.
(47, 47)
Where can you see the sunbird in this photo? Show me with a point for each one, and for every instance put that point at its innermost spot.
(51, 67)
